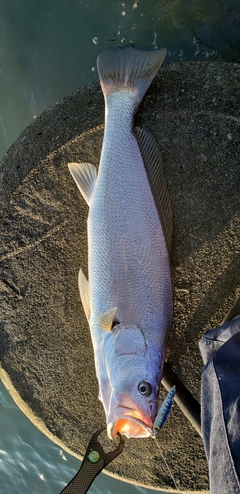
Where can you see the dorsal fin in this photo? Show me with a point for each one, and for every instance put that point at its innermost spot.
(152, 159)
(105, 320)
(85, 176)
(83, 286)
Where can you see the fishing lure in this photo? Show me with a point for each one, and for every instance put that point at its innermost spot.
(164, 411)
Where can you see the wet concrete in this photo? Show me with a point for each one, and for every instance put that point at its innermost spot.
(45, 347)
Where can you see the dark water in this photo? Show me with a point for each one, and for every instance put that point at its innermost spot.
(31, 464)
(48, 49)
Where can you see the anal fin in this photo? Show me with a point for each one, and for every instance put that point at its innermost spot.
(85, 176)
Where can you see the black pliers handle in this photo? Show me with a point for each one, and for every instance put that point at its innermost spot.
(94, 461)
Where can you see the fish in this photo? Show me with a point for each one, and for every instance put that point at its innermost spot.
(128, 297)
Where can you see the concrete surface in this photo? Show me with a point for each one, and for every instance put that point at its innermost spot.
(45, 348)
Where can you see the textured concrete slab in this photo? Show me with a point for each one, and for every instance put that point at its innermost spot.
(45, 347)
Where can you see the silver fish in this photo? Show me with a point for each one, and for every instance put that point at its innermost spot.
(128, 300)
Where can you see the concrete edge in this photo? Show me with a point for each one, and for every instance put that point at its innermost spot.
(42, 428)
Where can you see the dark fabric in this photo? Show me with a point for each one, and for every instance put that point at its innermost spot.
(220, 399)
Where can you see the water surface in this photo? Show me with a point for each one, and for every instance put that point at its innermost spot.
(48, 49)
(31, 464)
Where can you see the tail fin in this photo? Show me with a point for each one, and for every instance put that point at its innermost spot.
(128, 68)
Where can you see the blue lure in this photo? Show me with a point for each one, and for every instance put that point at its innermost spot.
(163, 411)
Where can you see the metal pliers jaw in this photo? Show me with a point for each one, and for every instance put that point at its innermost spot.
(94, 461)
(95, 445)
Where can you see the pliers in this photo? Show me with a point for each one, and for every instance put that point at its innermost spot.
(94, 461)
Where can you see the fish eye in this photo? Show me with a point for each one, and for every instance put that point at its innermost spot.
(144, 388)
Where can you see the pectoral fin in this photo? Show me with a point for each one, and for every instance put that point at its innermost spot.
(83, 286)
(105, 320)
(85, 176)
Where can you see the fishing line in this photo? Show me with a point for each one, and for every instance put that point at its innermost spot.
(160, 421)
(168, 468)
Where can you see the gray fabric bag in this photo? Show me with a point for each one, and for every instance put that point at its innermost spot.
(220, 406)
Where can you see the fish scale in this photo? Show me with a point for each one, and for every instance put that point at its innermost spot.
(125, 222)
(129, 298)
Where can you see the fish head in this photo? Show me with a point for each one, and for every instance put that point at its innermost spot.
(129, 384)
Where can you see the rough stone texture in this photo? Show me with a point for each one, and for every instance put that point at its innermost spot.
(45, 348)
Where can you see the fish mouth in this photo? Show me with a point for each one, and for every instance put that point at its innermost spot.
(130, 423)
